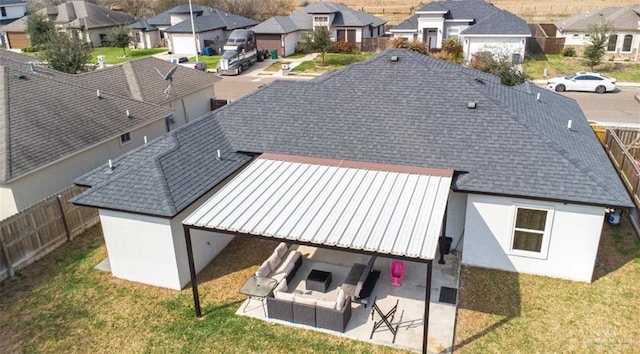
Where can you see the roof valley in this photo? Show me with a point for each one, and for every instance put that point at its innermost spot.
(132, 81)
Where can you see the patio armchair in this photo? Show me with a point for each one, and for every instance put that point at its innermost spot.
(333, 319)
(280, 308)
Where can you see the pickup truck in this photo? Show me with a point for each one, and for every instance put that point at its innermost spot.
(184, 61)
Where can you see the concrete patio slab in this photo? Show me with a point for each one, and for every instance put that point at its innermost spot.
(410, 297)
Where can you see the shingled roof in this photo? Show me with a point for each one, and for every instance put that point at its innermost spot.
(139, 79)
(303, 19)
(621, 18)
(215, 19)
(485, 18)
(45, 118)
(511, 144)
(78, 14)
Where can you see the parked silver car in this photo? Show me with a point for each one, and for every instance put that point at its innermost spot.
(582, 81)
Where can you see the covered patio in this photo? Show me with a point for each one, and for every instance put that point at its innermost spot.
(341, 212)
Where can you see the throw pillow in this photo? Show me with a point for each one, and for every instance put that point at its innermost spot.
(264, 269)
(282, 249)
(282, 286)
(340, 300)
(281, 295)
(274, 260)
(304, 300)
(326, 303)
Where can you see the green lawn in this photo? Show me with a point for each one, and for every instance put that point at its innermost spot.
(61, 304)
(334, 61)
(502, 312)
(558, 65)
(114, 55)
(212, 61)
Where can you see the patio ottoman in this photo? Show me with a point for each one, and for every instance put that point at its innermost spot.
(318, 280)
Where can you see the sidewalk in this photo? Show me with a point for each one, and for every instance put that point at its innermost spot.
(292, 64)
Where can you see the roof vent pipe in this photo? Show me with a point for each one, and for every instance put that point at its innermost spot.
(98, 94)
(218, 158)
(110, 167)
(538, 97)
(32, 67)
(145, 139)
(569, 124)
(128, 114)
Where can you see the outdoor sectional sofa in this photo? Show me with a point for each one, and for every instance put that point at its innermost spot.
(305, 309)
(282, 264)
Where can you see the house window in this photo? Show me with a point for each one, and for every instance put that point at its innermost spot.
(531, 230)
(321, 21)
(3, 11)
(453, 32)
(611, 45)
(346, 35)
(125, 139)
(626, 44)
(576, 35)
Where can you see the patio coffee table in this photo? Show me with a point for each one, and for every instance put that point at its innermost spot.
(257, 288)
(318, 280)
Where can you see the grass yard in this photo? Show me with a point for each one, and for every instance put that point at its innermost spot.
(212, 61)
(502, 312)
(558, 65)
(61, 304)
(334, 61)
(114, 55)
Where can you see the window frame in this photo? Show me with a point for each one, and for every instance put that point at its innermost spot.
(546, 233)
(615, 42)
(125, 139)
(624, 41)
(3, 11)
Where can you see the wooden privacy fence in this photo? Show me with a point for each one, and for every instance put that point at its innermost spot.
(41, 228)
(623, 147)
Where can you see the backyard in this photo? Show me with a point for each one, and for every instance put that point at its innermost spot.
(61, 303)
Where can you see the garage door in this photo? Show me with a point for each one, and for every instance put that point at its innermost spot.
(17, 40)
(183, 44)
(270, 42)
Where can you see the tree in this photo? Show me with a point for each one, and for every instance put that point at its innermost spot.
(598, 37)
(403, 43)
(499, 65)
(258, 10)
(39, 28)
(65, 53)
(119, 38)
(319, 41)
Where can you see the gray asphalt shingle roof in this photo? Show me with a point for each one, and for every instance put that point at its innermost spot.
(79, 14)
(165, 176)
(303, 19)
(48, 118)
(214, 20)
(141, 76)
(511, 144)
(621, 18)
(486, 18)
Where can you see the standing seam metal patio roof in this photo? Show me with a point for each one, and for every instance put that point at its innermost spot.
(387, 209)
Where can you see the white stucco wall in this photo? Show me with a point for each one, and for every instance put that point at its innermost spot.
(290, 42)
(93, 35)
(42, 183)
(431, 22)
(14, 11)
(498, 45)
(193, 106)
(149, 39)
(7, 202)
(573, 239)
(456, 212)
(152, 250)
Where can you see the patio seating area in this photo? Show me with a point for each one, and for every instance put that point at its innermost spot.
(409, 297)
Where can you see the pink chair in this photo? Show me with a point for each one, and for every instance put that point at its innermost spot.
(397, 272)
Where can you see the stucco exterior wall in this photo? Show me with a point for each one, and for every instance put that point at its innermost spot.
(290, 41)
(147, 40)
(572, 241)
(40, 184)
(456, 211)
(193, 106)
(497, 45)
(14, 11)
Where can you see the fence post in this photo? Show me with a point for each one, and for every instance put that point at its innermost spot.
(64, 219)
(5, 252)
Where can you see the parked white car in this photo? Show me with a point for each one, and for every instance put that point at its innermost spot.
(583, 81)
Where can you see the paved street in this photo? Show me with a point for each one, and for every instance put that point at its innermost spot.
(613, 108)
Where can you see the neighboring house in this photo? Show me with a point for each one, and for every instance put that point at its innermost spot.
(84, 20)
(529, 181)
(190, 96)
(624, 41)
(478, 25)
(54, 131)
(10, 10)
(283, 33)
(212, 27)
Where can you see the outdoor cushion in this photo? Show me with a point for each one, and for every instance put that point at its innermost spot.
(282, 286)
(274, 260)
(340, 300)
(279, 276)
(281, 295)
(264, 269)
(326, 304)
(282, 249)
(304, 300)
(289, 262)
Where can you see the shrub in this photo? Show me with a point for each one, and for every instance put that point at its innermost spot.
(33, 49)
(453, 49)
(403, 43)
(343, 47)
(568, 52)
